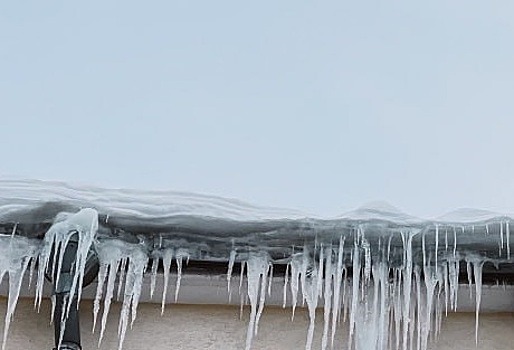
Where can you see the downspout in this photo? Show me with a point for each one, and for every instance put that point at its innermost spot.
(61, 293)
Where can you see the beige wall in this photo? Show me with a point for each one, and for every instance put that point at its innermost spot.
(194, 327)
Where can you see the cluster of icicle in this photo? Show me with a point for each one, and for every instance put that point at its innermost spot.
(121, 263)
(380, 306)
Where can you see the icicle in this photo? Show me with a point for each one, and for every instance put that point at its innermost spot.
(327, 296)
(87, 225)
(389, 246)
(400, 321)
(367, 259)
(436, 243)
(241, 276)
(446, 287)
(123, 271)
(286, 281)
(501, 238)
(32, 267)
(446, 239)
(397, 302)
(102, 274)
(60, 250)
(270, 279)
(412, 317)
(138, 271)
(16, 273)
(257, 267)
(417, 279)
(113, 268)
(82, 227)
(166, 261)
(83, 224)
(262, 298)
(153, 276)
(178, 260)
(53, 302)
(355, 290)
(181, 254)
(231, 261)
(296, 265)
(383, 306)
(337, 290)
(470, 273)
(477, 267)
(454, 282)
(440, 288)
(407, 285)
(111, 253)
(303, 274)
(454, 242)
(134, 280)
(311, 287)
(344, 297)
(430, 285)
(507, 235)
(423, 248)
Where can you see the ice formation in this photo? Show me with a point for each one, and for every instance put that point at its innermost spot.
(16, 253)
(382, 278)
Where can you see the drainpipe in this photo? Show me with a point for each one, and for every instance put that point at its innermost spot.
(61, 292)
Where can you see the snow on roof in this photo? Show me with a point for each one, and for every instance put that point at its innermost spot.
(27, 194)
(23, 195)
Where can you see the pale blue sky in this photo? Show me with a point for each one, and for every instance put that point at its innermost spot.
(320, 106)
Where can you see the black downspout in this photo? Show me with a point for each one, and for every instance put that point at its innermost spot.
(71, 337)
(61, 291)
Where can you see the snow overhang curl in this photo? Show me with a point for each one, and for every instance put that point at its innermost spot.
(383, 277)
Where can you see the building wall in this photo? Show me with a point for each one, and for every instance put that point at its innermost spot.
(202, 327)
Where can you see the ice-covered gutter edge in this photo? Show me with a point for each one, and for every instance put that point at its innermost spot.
(390, 253)
(367, 251)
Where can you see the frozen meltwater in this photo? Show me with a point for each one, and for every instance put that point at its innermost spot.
(382, 277)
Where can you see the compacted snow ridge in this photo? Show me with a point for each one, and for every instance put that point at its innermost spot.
(383, 278)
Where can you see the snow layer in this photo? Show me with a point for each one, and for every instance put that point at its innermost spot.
(384, 277)
(29, 194)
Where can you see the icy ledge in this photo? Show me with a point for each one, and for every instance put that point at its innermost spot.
(386, 280)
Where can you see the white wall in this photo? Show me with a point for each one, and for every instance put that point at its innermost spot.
(202, 327)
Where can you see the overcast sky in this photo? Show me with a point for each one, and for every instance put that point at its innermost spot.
(319, 106)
